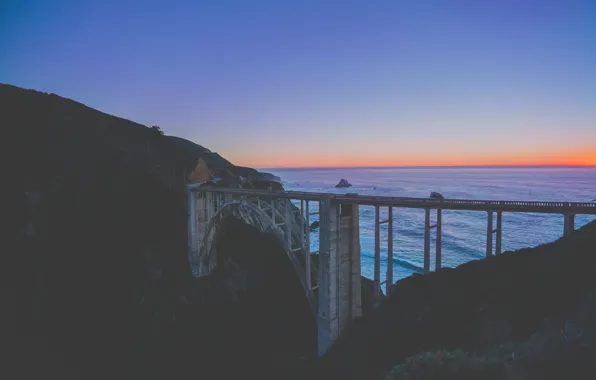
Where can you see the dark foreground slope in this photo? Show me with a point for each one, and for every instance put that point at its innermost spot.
(475, 306)
(94, 270)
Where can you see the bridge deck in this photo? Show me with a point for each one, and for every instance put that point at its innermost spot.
(422, 203)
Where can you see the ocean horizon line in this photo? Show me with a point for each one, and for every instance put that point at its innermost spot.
(433, 167)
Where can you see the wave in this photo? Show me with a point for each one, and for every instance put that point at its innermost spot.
(408, 265)
(403, 263)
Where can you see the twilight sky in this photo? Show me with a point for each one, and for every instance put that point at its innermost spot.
(326, 83)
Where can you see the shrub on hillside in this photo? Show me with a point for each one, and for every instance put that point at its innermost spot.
(448, 365)
(556, 351)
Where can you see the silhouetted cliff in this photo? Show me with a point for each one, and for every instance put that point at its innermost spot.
(96, 264)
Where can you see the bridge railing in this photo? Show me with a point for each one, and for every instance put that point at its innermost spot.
(408, 202)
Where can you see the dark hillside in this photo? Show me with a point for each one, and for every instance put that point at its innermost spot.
(477, 305)
(96, 263)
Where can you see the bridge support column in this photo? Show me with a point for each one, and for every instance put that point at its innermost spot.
(206, 206)
(193, 233)
(377, 266)
(350, 305)
(438, 244)
(339, 271)
(499, 230)
(389, 275)
(569, 224)
(489, 235)
(427, 228)
(327, 321)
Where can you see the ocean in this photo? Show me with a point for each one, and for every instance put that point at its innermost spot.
(464, 232)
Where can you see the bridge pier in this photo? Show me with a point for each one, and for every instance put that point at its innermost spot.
(206, 207)
(339, 270)
(389, 276)
(193, 232)
(427, 228)
(568, 224)
(499, 231)
(438, 241)
(377, 265)
(350, 289)
(489, 235)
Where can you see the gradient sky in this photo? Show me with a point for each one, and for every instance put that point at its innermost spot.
(326, 83)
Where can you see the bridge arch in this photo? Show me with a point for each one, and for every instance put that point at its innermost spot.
(255, 216)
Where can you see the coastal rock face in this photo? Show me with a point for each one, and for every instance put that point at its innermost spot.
(474, 306)
(343, 183)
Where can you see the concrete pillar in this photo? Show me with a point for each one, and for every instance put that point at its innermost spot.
(377, 266)
(426, 241)
(349, 292)
(193, 233)
(305, 239)
(206, 206)
(355, 263)
(489, 235)
(438, 242)
(569, 224)
(389, 281)
(499, 238)
(327, 320)
(339, 271)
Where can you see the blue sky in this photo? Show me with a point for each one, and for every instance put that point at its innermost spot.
(325, 83)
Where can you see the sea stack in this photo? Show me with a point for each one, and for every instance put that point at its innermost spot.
(343, 183)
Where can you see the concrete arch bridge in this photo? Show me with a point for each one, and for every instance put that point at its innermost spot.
(286, 215)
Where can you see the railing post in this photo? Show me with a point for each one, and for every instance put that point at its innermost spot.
(328, 329)
(438, 257)
(499, 238)
(426, 241)
(389, 281)
(489, 235)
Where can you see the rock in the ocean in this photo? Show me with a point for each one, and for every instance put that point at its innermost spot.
(436, 195)
(343, 183)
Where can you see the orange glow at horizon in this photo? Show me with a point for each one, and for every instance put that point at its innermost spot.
(576, 159)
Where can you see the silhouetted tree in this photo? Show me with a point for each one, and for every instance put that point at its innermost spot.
(157, 130)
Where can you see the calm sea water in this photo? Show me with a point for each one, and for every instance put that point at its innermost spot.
(464, 232)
